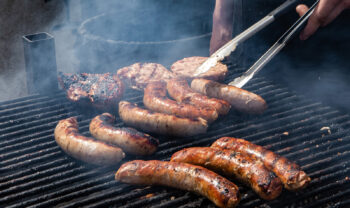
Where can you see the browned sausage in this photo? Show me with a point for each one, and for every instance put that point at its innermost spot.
(159, 122)
(290, 173)
(84, 148)
(182, 92)
(129, 139)
(184, 176)
(230, 163)
(241, 100)
(155, 99)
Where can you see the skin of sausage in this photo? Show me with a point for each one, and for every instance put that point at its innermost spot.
(261, 180)
(290, 173)
(155, 98)
(241, 100)
(84, 148)
(216, 188)
(179, 90)
(160, 123)
(129, 139)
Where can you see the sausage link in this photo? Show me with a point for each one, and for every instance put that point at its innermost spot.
(159, 122)
(216, 188)
(182, 92)
(129, 139)
(85, 148)
(155, 98)
(241, 100)
(290, 173)
(230, 163)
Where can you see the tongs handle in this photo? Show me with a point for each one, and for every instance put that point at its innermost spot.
(227, 49)
(275, 48)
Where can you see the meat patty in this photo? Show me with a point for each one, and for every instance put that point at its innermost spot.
(185, 68)
(160, 123)
(138, 75)
(129, 139)
(184, 176)
(155, 99)
(85, 148)
(100, 91)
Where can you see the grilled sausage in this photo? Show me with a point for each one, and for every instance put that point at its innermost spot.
(159, 122)
(129, 139)
(182, 92)
(184, 176)
(290, 173)
(155, 98)
(241, 100)
(84, 148)
(230, 163)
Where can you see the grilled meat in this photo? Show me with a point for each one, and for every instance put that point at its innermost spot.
(182, 92)
(84, 148)
(184, 176)
(186, 67)
(290, 173)
(155, 99)
(241, 100)
(160, 123)
(98, 90)
(138, 75)
(129, 139)
(230, 163)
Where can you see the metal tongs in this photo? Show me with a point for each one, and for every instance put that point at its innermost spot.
(229, 47)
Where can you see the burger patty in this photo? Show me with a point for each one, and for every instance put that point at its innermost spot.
(185, 68)
(138, 75)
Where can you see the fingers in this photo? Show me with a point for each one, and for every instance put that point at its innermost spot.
(301, 9)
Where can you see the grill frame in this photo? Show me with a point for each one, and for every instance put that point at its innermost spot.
(34, 172)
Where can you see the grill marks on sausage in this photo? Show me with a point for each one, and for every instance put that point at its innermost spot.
(182, 92)
(129, 139)
(155, 98)
(184, 176)
(101, 91)
(138, 75)
(250, 172)
(160, 123)
(85, 148)
(290, 173)
(241, 100)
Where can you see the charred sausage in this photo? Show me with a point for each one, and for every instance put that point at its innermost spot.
(182, 92)
(155, 98)
(230, 163)
(290, 173)
(184, 176)
(84, 148)
(159, 122)
(129, 139)
(241, 100)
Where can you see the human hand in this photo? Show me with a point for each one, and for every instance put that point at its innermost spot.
(325, 12)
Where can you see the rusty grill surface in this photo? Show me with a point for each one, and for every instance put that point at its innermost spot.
(34, 172)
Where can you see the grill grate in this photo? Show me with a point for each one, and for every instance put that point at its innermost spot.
(34, 172)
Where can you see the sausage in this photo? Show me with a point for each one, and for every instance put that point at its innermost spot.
(241, 100)
(182, 92)
(85, 148)
(290, 173)
(254, 174)
(159, 122)
(155, 98)
(129, 139)
(216, 188)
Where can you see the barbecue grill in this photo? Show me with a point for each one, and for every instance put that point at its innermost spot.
(35, 172)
